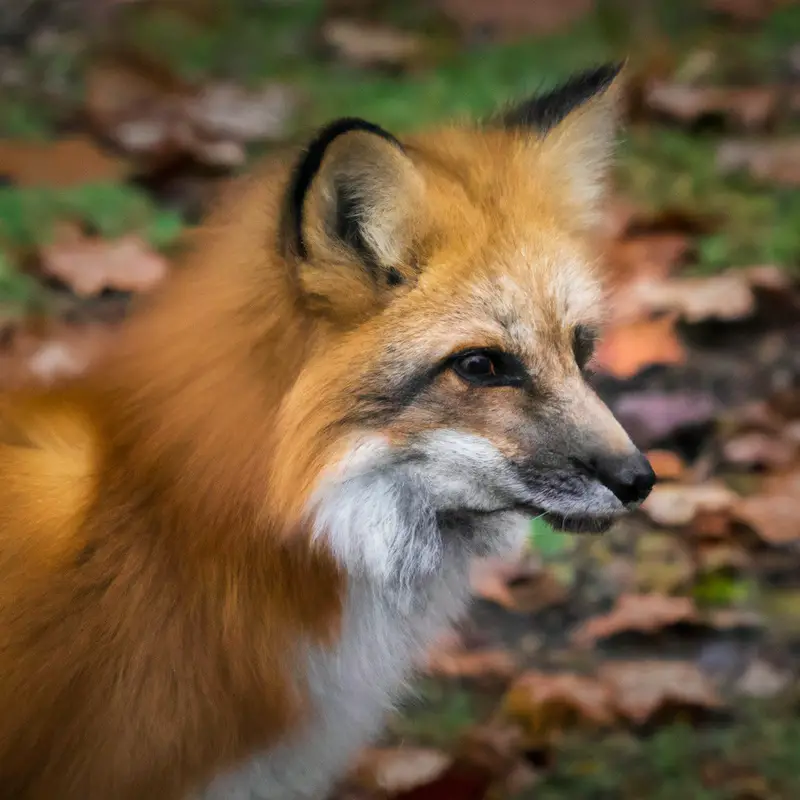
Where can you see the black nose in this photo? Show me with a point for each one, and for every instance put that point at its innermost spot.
(631, 478)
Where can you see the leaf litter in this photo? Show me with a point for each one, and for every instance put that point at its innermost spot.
(724, 513)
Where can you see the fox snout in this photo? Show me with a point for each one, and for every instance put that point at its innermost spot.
(630, 477)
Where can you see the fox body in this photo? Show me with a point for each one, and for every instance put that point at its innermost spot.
(221, 556)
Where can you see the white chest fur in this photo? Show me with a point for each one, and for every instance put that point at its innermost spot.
(408, 568)
(352, 687)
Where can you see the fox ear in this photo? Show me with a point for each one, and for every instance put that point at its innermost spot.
(350, 217)
(576, 125)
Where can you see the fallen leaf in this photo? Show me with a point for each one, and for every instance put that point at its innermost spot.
(727, 619)
(368, 44)
(650, 417)
(645, 613)
(227, 111)
(775, 161)
(759, 449)
(512, 19)
(639, 689)
(457, 662)
(711, 525)
(673, 505)
(398, 769)
(461, 781)
(495, 745)
(750, 107)
(652, 256)
(617, 216)
(63, 163)
(155, 117)
(774, 517)
(520, 781)
(762, 680)
(90, 265)
(522, 586)
(60, 352)
(726, 296)
(667, 465)
(626, 349)
(545, 705)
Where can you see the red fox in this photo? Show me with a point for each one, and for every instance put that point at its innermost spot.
(221, 555)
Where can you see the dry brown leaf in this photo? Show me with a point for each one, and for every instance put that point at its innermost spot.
(157, 118)
(521, 585)
(750, 107)
(367, 44)
(67, 162)
(511, 19)
(652, 416)
(626, 349)
(60, 352)
(229, 112)
(642, 613)
(641, 688)
(618, 214)
(494, 745)
(90, 265)
(733, 618)
(727, 296)
(774, 515)
(667, 465)
(546, 705)
(776, 160)
(673, 504)
(711, 525)
(521, 781)
(456, 662)
(651, 257)
(762, 680)
(759, 449)
(399, 769)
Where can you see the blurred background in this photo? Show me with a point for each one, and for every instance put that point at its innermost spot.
(658, 661)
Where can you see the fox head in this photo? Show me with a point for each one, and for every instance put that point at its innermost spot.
(457, 301)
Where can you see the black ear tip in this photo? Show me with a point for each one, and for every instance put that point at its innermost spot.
(544, 111)
(604, 75)
(594, 80)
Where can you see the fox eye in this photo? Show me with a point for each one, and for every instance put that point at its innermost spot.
(476, 366)
(488, 368)
(583, 343)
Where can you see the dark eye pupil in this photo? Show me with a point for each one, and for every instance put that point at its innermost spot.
(478, 365)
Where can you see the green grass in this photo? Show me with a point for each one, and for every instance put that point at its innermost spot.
(17, 290)
(759, 755)
(435, 714)
(668, 169)
(28, 215)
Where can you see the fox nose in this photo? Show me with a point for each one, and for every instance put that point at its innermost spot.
(630, 477)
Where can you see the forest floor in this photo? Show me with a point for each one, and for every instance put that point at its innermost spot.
(660, 660)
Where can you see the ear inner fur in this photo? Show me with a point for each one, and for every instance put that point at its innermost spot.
(305, 170)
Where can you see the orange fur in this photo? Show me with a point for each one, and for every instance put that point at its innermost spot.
(156, 574)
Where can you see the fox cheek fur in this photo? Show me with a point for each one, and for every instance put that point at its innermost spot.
(220, 558)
